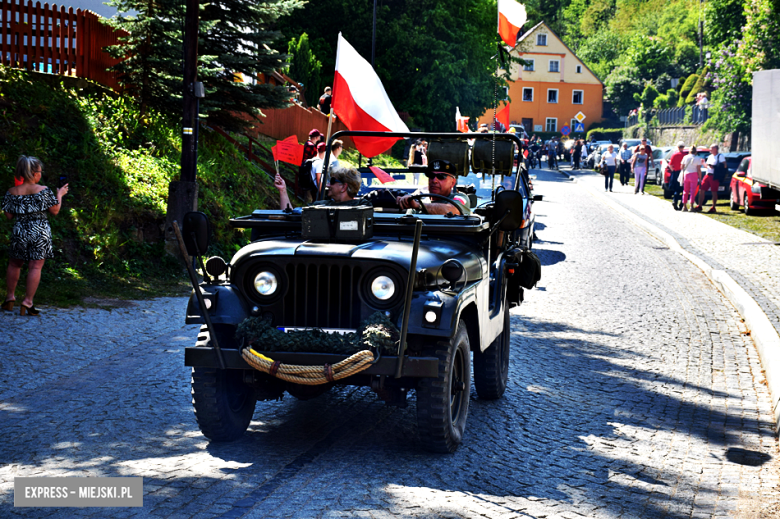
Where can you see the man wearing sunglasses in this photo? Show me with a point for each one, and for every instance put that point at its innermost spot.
(441, 181)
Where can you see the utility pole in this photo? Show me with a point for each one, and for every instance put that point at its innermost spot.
(373, 40)
(701, 35)
(183, 194)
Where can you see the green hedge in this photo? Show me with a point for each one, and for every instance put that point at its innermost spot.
(605, 134)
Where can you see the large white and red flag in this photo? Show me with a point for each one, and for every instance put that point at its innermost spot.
(511, 17)
(360, 100)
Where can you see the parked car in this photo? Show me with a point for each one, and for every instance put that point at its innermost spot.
(632, 143)
(701, 151)
(751, 195)
(519, 130)
(412, 312)
(655, 174)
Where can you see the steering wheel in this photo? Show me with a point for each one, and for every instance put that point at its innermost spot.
(441, 197)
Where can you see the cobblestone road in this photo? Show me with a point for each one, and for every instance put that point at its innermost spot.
(633, 393)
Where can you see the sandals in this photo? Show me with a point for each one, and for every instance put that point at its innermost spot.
(29, 310)
(8, 306)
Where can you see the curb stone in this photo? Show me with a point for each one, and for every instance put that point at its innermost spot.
(761, 329)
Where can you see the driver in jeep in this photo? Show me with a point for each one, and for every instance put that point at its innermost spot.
(441, 181)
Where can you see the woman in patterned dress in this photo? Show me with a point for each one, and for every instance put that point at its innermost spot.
(31, 235)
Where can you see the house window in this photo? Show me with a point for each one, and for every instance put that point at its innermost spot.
(541, 39)
(555, 65)
(529, 67)
(528, 94)
(576, 97)
(552, 125)
(506, 93)
(552, 95)
(579, 69)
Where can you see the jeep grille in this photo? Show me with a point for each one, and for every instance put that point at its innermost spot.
(322, 295)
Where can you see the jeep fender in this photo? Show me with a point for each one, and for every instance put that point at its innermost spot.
(226, 306)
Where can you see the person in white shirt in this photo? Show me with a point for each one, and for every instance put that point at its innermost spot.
(609, 159)
(714, 162)
(316, 165)
(690, 177)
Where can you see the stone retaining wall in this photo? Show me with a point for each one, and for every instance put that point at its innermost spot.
(671, 135)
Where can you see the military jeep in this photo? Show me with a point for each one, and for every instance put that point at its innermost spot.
(315, 284)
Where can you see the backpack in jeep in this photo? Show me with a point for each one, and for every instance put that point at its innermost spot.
(305, 180)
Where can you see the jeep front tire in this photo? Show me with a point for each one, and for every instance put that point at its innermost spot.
(443, 402)
(223, 404)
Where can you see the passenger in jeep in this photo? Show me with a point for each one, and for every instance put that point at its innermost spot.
(343, 185)
(441, 181)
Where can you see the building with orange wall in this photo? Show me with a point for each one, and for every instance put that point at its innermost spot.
(546, 94)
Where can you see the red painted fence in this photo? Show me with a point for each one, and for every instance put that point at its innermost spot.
(56, 41)
(280, 123)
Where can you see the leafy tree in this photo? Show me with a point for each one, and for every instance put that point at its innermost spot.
(723, 20)
(648, 96)
(702, 82)
(686, 88)
(237, 35)
(621, 85)
(152, 66)
(431, 56)
(305, 67)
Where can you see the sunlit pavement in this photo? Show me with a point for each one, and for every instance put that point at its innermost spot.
(633, 393)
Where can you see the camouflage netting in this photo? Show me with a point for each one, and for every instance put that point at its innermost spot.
(375, 332)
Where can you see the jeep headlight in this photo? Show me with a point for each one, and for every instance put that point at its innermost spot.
(382, 288)
(266, 283)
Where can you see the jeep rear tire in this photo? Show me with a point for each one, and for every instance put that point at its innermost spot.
(443, 402)
(491, 367)
(223, 404)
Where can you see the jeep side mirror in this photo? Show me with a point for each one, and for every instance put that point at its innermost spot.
(196, 231)
(742, 174)
(509, 210)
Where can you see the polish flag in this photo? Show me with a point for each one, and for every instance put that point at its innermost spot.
(511, 17)
(461, 123)
(360, 101)
(503, 117)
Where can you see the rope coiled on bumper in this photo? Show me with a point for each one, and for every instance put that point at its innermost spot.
(309, 375)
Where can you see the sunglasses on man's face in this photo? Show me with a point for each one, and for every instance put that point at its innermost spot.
(437, 176)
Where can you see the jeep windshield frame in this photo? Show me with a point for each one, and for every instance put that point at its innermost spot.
(457, 136)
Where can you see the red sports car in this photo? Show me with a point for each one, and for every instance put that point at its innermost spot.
(746, 192)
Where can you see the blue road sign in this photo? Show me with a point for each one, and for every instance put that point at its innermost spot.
(566, 130)
(579, 127)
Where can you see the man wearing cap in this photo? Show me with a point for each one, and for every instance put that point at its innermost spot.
(316, 166)
(675, 164)
(441, 181)
(310, 148)
(715, 161)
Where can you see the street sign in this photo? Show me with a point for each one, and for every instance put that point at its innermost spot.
(579, 127)
(580, 117)
(566, 130)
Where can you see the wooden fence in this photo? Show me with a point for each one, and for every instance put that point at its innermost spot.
(280, 123)
(55, 41)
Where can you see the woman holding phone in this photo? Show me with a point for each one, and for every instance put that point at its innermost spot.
(29, 204)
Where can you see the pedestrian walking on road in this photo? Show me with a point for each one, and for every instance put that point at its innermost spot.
(715, 165)
(675, 164)
(31, 240)
(609, 161)
(639, 164)
(691, 177)
(576, 154)
(552, 151)
(625, 164)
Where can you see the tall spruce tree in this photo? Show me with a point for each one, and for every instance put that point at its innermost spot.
(235, 45)
(305, 67)
(151, 53)
(238, 35)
